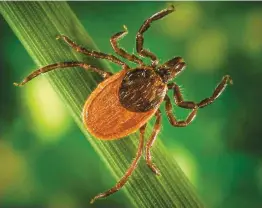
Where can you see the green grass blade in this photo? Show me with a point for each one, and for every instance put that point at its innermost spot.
(36, 24)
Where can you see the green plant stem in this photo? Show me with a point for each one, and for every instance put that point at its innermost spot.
(36, 24)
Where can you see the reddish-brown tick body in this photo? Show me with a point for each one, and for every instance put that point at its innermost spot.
(104, 115)
(125, 101)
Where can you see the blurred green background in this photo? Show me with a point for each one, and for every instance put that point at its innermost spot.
(44, 158)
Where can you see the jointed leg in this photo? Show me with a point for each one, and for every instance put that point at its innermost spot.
(189, 104)
(63, 65)
(179, 98)
(173, 120)
(129, 171)
(217, 92)
(151, 142)
(121, 51)
(92, 53)
(140, 39)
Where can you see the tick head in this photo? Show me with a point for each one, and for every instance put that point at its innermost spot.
(171, 68)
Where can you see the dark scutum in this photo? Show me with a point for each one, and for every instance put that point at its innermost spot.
(141, 90)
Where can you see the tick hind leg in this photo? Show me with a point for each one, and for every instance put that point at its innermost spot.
(140, 39)
(151, 142)
(121, 52)
(129, 171)
(63, 65)
(92, 53)
(191, 105)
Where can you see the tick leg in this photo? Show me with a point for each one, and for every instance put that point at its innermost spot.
(151, 142)
(140, 39)
(191, 105)
(63, 65)
(179, 100)
(173, 120)
(129, 171)
(121, 51)
(92, 53)
(217, 92)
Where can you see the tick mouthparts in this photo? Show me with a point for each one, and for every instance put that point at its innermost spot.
(177, 59)
(181, 64)
(180, 60)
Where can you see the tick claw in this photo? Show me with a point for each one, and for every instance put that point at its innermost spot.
(97, 197)
(92, 201)
(154, 169)
(16, 84)
(157, 173)
(230, 80)
(58, 37)
(125, 28)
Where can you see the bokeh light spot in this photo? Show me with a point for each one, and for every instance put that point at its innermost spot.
(252, 38)
(258, 176)
(12, 168)
(184, 19)
(186, 162)
(62, 200)
(47, 112)
(207, 51)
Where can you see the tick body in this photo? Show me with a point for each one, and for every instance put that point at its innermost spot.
(124, 102)
(117, 106)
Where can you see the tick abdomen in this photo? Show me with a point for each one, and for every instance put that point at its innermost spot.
(105, 117)
(141, 90)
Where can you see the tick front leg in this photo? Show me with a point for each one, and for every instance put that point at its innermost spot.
(140, 39)
(190, 104)
(217, 92)
(121, 51)
(179, 100)
(92, 53)
(173, 120)
(151, 142)
(63, 65)
(129, 171)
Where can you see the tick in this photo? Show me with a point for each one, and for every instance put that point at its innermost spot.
(124, 102)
